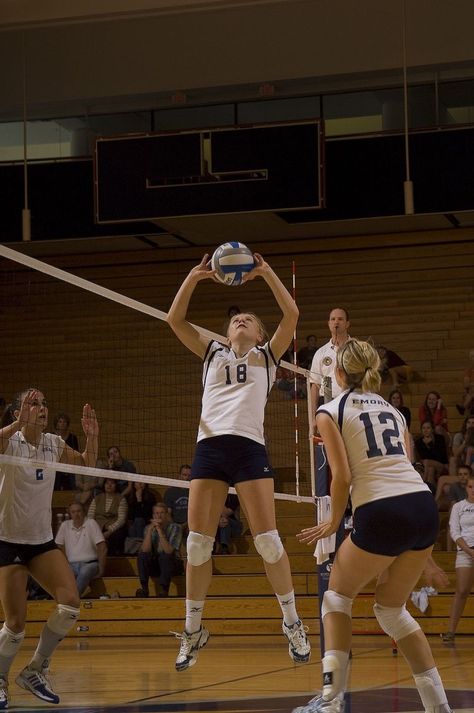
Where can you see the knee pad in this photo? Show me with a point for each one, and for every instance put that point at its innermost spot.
(63, 618)
(397, 622)
(199, 548)
(269, 546)
(334, 602)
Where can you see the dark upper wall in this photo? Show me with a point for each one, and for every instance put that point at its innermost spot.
(88, 64)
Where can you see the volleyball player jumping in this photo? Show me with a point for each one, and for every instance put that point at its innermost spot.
(395, 526)
(237, 378)
(26, 539)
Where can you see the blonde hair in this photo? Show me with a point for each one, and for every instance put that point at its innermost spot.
(360, 364)
(260, 325)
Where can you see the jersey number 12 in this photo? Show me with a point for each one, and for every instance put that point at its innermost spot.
(387, 434)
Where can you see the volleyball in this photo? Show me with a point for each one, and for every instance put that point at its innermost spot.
(231, 261)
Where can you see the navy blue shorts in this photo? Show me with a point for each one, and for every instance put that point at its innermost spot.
(14, 553)
(232, 459)
(391, 526)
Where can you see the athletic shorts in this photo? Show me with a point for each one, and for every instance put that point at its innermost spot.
(463, 560)
(398, 524)
(14, 553)
(232, 459)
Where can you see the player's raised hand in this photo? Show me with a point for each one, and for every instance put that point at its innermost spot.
(204, 270)
(260, 267)
(89, 421)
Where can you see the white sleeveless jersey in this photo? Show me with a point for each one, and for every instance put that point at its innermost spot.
(235, 391)
(26, 491)
(373, 434)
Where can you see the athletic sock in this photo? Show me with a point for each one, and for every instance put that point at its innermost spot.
(10, 642)
(193, 615)
(431, 689)
(288, 607)
(335, 664)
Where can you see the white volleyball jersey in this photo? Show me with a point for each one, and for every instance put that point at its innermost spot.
(461, 522)
(26, 491)
(323, 369)
(373, 433)
(235, 391)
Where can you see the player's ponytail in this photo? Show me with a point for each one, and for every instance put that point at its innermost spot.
(360, 363)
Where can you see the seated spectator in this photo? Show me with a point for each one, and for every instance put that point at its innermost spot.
(434, 410)
(116, 462)
(61, 423)
(140, 507)
(462, 441)
(396, 399)
(304, 356)
(176, 499)
(450, 487)
(285, 381)
(109, 509)
(159, 553)
(466, 405)
(431, 450)
(392, 366)
(457, 491)
(229, 525)
(85, 489)
(83, 543)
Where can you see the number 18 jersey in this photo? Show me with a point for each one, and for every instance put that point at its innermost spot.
(373, 434)
(236, 391)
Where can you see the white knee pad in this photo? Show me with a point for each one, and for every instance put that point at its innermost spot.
(397, 622)
(269, 546)
(334, 602)
(63, 618)
(199, 548)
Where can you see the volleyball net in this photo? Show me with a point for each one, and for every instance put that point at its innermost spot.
(79, 341)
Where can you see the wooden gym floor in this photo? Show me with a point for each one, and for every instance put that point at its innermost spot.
(234, 674)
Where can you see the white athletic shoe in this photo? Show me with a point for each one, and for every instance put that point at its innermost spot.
(189, 649)
(37, 683)
(3, 693)
(299, 647)
(319, 705)
(444, 708)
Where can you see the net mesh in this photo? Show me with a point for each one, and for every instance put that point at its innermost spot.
(79, 347)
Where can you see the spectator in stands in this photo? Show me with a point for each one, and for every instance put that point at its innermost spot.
(176, 499)
(457, 491)
(392, 366)
(83, 543)
(396, 399)
(85, 489)
(434, 410)
(230, 525)
(116, 462)
(461, 442)
(304, 356)
(324, 386)
(61, 423)
(159, 553)
(451, 488)
(431, 449)
(109, 509)
(140, 507)
(461, 527)
(467, 400)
